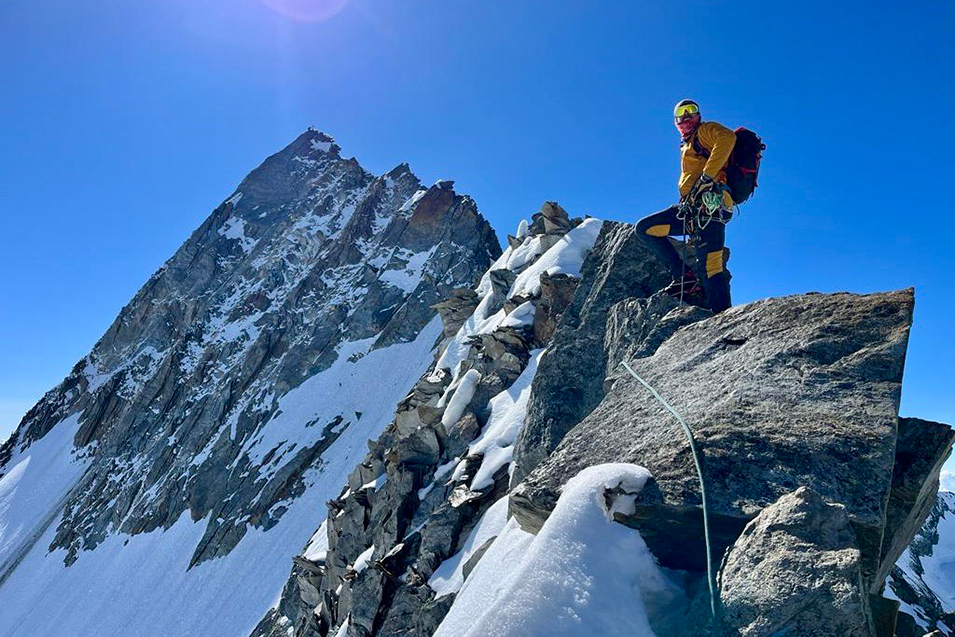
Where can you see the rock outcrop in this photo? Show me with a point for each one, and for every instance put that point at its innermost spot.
(795, 570)
(782, 393)
(571, 379)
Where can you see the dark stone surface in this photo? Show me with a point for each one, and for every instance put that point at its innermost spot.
(551, 219)
(781, 393)
(905, 626)
(456, 309)
(920, 452)
(557, 292)
(637, 327)
(570, 378)
(795, 570)
(884, 615)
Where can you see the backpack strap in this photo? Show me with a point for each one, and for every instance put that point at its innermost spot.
(698, 147)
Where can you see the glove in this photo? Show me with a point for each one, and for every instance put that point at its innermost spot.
(703, 185)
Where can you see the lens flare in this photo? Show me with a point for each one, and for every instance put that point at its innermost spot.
(306, 10)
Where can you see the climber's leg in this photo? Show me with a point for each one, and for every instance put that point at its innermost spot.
(656, 228)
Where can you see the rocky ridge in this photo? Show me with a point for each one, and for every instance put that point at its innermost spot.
(922, 579)
(794, 402)
(426, 483)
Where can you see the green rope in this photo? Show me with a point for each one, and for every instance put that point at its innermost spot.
(710, 576)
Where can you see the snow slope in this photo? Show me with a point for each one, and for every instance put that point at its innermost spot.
(923, 579)
(37, 481)
(142, 584)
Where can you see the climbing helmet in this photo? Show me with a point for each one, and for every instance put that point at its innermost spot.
(685, 109)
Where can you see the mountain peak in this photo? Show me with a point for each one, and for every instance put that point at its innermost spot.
(317, 142)
(231, 396)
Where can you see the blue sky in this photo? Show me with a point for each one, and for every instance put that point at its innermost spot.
(126, 123)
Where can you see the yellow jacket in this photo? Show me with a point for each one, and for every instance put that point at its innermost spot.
(718, 141)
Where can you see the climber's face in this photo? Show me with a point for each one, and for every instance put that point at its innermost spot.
(687, 124)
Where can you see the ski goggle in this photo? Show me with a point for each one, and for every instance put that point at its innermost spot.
(685, 111)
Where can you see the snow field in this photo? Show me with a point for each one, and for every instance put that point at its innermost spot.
(34, 486)
(342, 390)
(112, 590)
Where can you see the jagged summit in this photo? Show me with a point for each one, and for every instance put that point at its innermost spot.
(318, 141)
(228, 398)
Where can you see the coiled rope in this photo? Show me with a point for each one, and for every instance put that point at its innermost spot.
(710, 575)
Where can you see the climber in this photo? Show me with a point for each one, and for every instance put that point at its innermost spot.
(704, 210)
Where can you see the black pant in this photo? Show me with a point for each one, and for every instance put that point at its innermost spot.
(710, 263)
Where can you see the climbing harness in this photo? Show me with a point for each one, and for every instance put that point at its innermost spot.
(710, 575)
(696, 218)
(686, 215)
(712, 208)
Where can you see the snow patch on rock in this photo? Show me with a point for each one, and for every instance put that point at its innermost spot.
(449, 577)
(565, 257)
(463, 392)
(508, 409)
(582, 574)
(234, 228)
(317, 547)
(408, 277)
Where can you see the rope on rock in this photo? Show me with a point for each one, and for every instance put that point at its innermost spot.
(710, 575)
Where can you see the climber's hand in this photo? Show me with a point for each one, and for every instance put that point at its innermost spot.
(703, 185)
